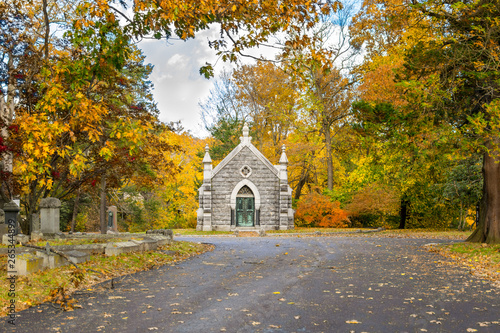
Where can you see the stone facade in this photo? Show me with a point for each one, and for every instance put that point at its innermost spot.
(245, 191)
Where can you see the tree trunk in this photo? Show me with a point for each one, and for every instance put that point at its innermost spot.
(488, 229)
(403, 213)
(102, 211)
(461, 221)
(329, 158)
(75, 210)
(300, 185)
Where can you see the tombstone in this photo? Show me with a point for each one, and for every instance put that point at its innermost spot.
(35, 224)
(50, 216)
(36, 233)
(112, 218)
(11, 210)
(4, 228)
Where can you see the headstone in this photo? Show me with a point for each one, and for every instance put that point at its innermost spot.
(27, 263)
(49, 215)
(77, 257)
(4, 228)
(11, 210)
(35, 223)
(113, 218)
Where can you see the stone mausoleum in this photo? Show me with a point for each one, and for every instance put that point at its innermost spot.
(245, 191)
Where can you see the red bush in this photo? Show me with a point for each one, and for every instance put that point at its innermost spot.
(316, 210)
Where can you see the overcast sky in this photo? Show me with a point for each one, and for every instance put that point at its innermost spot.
(178, 85)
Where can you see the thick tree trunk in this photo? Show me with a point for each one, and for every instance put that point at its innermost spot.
(488, 229)
(102, 211)
(403, 213)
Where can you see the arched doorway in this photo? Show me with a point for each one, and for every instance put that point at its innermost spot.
(245, 207)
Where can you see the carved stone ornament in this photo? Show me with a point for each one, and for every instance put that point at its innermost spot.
(246, 171)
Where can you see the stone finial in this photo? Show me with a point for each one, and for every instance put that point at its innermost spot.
(207, 158)
(11, 207)
(283, 158)
(246, 131)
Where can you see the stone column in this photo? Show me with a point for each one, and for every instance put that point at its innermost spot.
(49, 216)
(284, 202)
(205, 200)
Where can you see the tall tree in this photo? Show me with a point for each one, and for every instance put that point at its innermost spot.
(270, 96)
(463, 64)
(449, 77)
(326, 86)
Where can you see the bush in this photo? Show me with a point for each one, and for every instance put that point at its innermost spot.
(316, 210)
(373, 206)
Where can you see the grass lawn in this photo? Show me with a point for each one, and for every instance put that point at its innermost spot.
(482, 260)
(78, 241)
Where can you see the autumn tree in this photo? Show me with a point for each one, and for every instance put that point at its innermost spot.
(326, 87)
(462, 65)
(92, 112)
(449, 77)
(270, 97)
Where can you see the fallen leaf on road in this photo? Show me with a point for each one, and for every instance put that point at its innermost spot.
(353, 322)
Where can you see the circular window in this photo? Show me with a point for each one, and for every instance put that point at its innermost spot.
(246, 171)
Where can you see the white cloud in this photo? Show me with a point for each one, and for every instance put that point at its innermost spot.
(178, 85)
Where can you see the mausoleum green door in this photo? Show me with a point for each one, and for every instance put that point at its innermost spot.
(244, 212)
(245, 208)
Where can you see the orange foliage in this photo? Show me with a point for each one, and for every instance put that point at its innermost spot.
(375, 199)
(316, 210)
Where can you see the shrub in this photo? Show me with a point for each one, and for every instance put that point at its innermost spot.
(374, 205)
(316, 210)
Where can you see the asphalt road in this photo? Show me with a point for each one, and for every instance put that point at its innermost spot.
(287, 284)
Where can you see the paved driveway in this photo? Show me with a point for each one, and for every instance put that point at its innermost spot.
(287, 284)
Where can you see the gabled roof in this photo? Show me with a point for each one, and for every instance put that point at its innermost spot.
(245, 142)
(237, 150)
